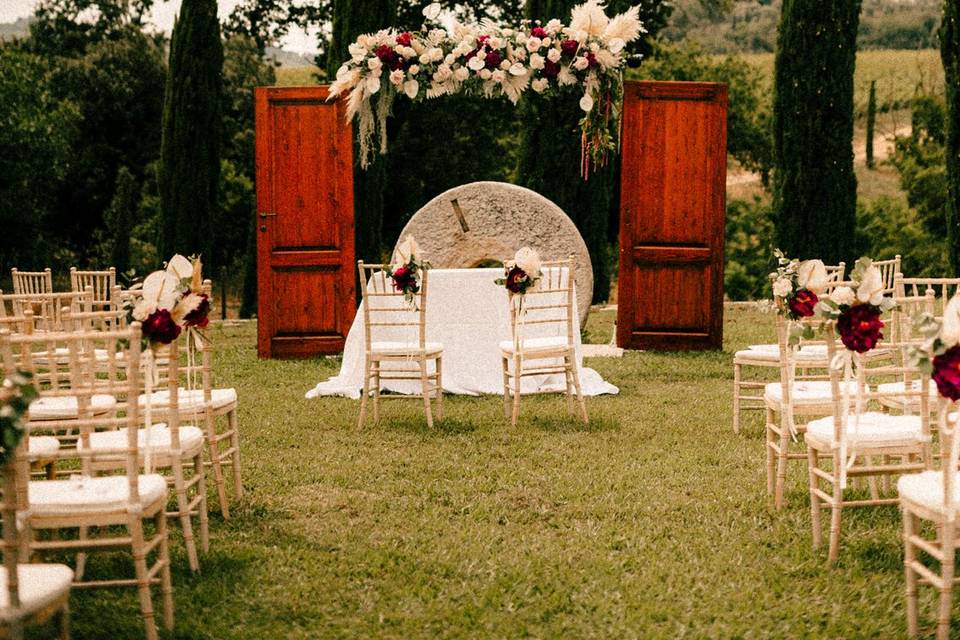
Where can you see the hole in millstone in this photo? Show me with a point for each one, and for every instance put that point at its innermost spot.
(487, 263)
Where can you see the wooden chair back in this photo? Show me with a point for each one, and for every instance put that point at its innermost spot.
(835, 275)
(101, 283)
(948, 419)
(943, 288)
(47, 308)
(547, 309)
(32, 281)
(889, 270)
(97, 363)
(387, 316)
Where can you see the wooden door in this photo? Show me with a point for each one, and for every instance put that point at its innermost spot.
(305, 235)
(672, 212)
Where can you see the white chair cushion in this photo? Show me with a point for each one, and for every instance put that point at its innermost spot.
(401, 348)
(537, 344)
(895, 388)
(91, 495)
(806, 391)
(926, 489)
(66, 407)
(771, 352)
(874, 428)
(191, 399)
(41, 446)
(62, 355)
(40, 585)
(191, 439)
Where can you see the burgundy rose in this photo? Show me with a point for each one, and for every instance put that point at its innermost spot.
(199, 317)
(538, 32)
(493, 60)
(591, 60)
(859, 327)
(482, 40)
(802, 303)
(550, 69)
(160, 327)
(516, 280)
(946, 373)
(404, 39)
(404, 280)
(386, 54)
(569, 48)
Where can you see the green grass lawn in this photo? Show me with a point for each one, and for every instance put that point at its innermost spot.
(653, 521)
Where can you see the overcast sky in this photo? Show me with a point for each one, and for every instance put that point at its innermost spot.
(164, 11)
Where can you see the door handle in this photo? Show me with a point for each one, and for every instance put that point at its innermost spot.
(264, 214)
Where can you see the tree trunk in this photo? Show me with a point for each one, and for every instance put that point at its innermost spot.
(189, 176)
(871, 122)
(815, 188)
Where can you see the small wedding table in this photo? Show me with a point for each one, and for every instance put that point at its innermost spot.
(470, 315)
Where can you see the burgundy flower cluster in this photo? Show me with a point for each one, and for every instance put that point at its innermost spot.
(405, 280)
(517, 280)
(390, 58)
(491, 59)
(199, 317)
(802, 303)
(946, 373)
(860, 327)
(161, 327)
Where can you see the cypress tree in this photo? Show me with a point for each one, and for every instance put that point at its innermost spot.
(189, 176)
(815, 188)
(950, 53)
(871, 122)
(119, 218)
(350, 19)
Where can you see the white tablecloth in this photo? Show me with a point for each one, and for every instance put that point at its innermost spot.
(470, 315)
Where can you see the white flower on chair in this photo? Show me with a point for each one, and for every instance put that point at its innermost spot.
(950, 331)
(871, 286)
(812, 275)
(843, 295)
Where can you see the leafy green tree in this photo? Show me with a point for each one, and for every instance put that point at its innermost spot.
(37, 130)
(950, 53)
(920, 158)
(190, 149)
(68, 27)
(815, 188)
(119, 218)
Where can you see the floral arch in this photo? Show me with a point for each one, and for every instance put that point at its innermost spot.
(490, 60)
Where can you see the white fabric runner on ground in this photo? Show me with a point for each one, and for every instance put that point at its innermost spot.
(470, 315)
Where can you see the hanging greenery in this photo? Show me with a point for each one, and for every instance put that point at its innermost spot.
(16, 394)
(491, 60)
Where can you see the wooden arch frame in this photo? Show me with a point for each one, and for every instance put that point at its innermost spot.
(671, 236)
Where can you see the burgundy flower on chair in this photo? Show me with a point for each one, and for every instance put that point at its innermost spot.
(802, 303)
(516, 280)
(405, 280)
(160, 327)
(199, 317)
(946, 373)
(859, 327)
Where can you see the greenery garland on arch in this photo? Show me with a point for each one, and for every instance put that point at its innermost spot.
(491, 60)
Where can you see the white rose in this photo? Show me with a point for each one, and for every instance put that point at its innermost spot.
(432, 11)
(553, 55)
(517, 69)
(357, 52)
(396, 77)
(505, 64)
(950, 331)
(782, 287)
(475, 63)
(450, 59)
(520, 54)
(581, 63)
(616, 45)
(843, 296)
(540, 85)
(812, 275)
(586, 103)
(461, 74)
(142, 310)
(536, 61)
(443, 72)
(498, 75)
(547, 42)
(425, 57)
(871, 286)
(534, 44)
(495, 43)
(554, 26)
(594, 47)
(374, 64)
(414, 69)
(485, 74)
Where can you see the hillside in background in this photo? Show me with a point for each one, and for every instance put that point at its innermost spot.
(751, 25)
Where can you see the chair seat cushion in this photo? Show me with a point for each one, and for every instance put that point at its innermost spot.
(62, 355)
(191, 439)
(40, 585)
(41, 446)
(191, 399)
(771, 353)
(102, 494)
(66, 407)
(806, 392)
(894, 388)
(926, 490)
(532, 345)
(874, 428)
(403, 348)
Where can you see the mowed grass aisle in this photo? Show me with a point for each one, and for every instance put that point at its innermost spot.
(653, 521)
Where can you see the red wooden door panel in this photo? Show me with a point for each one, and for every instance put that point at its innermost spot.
(672, 212)
(305, 227)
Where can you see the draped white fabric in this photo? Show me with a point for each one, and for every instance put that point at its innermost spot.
(469, 314)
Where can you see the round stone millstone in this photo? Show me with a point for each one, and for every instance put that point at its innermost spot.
(489, 221)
